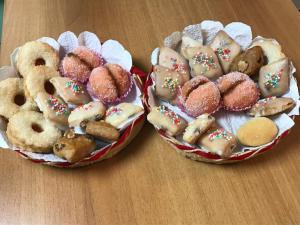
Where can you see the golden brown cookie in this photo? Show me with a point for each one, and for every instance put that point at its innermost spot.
(257, 131)
(101, 130)
(248, 62)
(13, 98)
(30, 131)
(73, 147)
(36, 54)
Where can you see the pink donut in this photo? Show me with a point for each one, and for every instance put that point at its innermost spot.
(199, 95)
(121, 77)
(238, 91)
(90, 57)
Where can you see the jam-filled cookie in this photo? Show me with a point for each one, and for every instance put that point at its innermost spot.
(70, 91)
(164, 118)
(198, 127)
(87, 112)
(199, 95)
(13, 98)
(30, 131)
(116, 115)
(274, 78)
(167, 82)
(73, 147)
(101, 130)
(271, 106)
(218, 141)
(203, 61)
(225, 48)
(248, 62)
(174, 61)
(238, 91)
(36, 54)
(257, 131)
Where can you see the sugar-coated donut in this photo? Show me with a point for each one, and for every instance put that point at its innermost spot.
(30, 131)
(199, 95)
(109, 83)
(36, 54)
(90, 57)
(38, 80)
(257, 131)
(238, 91)
(13, 98)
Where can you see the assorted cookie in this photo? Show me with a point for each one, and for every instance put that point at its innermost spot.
(228, 75)
(79, 95)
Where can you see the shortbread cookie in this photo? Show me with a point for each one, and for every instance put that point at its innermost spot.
(274, 78)
(87, 112)
(257, 131)
(173, 60)
(271, 106)
(164, 118)
(73, 147)
(198, 127)
(30, 131)
(248, 62)
(101, 130)
(53, 108)
(167, 82)
(188, 42)
(38, 80)
(218, 141)
(13, 98)
(36, 54)
(70, 91)
(116, 115)
(203, 61)
(225, 48)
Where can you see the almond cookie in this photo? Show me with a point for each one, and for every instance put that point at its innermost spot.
(36, 54)
(73, 147)
(116, 115)
(87, 112)
(30, 131)
(164, 118)
(218, 141)
(167, 82)
(13, 98)
(101, 130)
(274, 78)
(38, 80)
(174, 61)
(70, 91)
(271, 106)
(225, 48)
(198, 127)
(203, 61)
(53, 108)
(248, 62)
(257, 131)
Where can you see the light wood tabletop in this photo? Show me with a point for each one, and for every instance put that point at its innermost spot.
(148, 182)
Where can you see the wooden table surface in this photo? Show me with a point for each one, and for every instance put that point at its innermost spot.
(149, 183)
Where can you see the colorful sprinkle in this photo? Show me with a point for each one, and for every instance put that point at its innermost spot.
(272, 79)
(75, 87)
(205, 60)
(218, 134)
(265, 100)
(170, 83)
(58, 107)
(113, 110)
(224, 53)
(178, 67)
(173, 116)
(85, 107)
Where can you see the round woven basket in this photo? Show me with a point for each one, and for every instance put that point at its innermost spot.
(110, 150)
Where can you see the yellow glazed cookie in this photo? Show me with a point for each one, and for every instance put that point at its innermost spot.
(13, 98)
(36, 54)
(38, 80)
(30, 131)
(257, 131)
